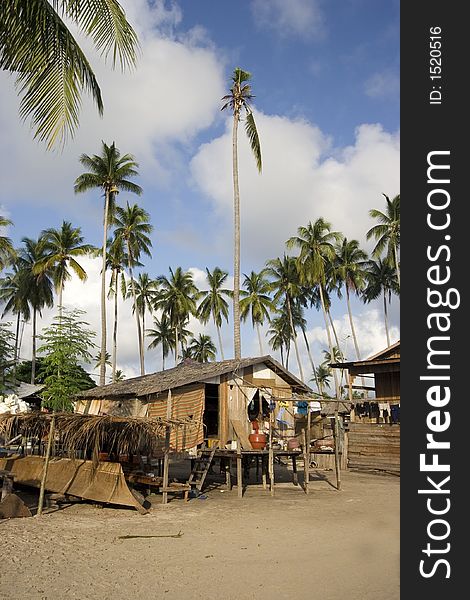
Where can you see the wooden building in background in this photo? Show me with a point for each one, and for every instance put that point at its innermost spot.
(374, 427)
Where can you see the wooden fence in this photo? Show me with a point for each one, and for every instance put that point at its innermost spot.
(374, 446)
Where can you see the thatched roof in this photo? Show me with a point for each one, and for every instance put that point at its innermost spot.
(91, 433)
(185, 373)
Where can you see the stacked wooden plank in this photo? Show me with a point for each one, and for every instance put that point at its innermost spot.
(374, 446)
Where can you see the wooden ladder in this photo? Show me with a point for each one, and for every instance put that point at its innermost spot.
(201, 467)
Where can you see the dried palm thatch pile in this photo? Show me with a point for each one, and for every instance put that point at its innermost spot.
(77, 434)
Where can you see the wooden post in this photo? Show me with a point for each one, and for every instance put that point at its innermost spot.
(295, 476)
(167, 449)
(264, 469)
(271, 453)
(46, 466)
(306, 465)
(239, 471)
(336, 442)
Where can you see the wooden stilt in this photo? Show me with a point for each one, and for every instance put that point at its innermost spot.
(336, 442)
(46, 466)
(239, 473)
(166, 458)
(264, 468)
(295, 476)
(271, 452)
(306, 460)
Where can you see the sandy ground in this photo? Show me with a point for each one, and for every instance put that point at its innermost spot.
(328, 545)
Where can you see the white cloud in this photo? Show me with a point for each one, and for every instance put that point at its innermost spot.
(302, 18)
(385, 84)
(303, 178)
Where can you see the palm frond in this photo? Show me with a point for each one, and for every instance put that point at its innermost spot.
(252, 133)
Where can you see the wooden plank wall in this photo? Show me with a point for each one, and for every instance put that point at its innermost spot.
(374, 446)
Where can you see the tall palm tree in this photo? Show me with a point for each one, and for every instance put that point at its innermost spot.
(177, 299)
(115, 261)
(256, 301)
(145, 294)
(349, 270)
(163, 335)
(110, 172)
(133, 226)
(7, 252)
(61, 247)
(387, 232)
(213, 303)
(14, 290)
(238, 101)
(316, 245)
(202, 348)
(382, 280)
(50, 67)
(38, 280)
(286, 286)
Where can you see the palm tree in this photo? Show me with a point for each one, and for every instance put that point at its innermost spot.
(38, 281)
(145, 294)
(110, 172)
(115, 261)
(349, 270)
(322, 377)
(382, 280)
(315, 242)
(61, 247)
(50, 67)
(286, 286)
(118, 376)
(202, 348)
(163, 335)
(133, 226)
(177, 299)
(256, 301)
(106, 359)
(7, 252)
(14, 295)
(214, 304)
(238, 101)
(281, 335)
(387, 232)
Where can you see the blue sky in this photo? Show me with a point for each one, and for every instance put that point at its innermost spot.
(326, 81)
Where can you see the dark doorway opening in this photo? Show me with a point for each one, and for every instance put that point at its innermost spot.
(211, 411)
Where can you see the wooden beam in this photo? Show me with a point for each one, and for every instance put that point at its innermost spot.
(167, 450)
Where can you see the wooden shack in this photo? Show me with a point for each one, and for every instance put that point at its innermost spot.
(218, 395)
(374, 425)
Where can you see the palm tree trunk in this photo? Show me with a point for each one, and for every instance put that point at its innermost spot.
(328, 335)
(386, 319)
(397, 266)
(115, 327)
(258, 331)
(353, 331)
(60, 298)
(312, 364)
(139, 333)
(17, 341)
(337, 390)
(142, 343)
(33, 354)
(176, 345)
(236, 253)
(282, 356)
(103, 292)
(294, 337)
(220, 342)
(163, 358)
